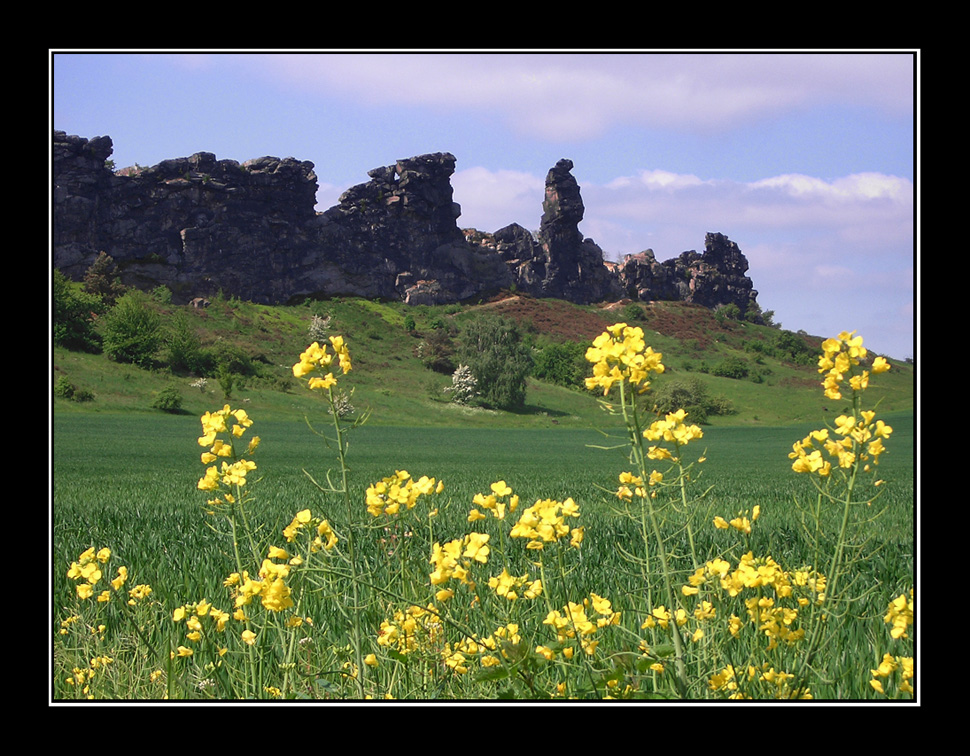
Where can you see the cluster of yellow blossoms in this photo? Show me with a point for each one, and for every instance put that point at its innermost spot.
(81, 677)
(87, 572)
(854, 438)
(727, 680)
(545, 522)
(900, 616)
(231, 474)
(494, 502)
(888, 667)
(325, 537)
(316, 359)
(627, 479)
(389, 495)
(851, 439)
(484, 649)
(452, 560)
(671, 429)
(509, 586)
(574, 623)
(194, 614)
(270, 586)
(411, 630)
(773, 609)
(741, 522)
(839, 358)
(619, 355)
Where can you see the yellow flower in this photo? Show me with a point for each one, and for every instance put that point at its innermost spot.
(475, 547)
(249, 637)
(120, 580)
(619, 354)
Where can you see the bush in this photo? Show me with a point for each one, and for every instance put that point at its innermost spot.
(74, 315)
(437, 351)
(494, 350)
(132, 331)
(319, 328)
(563, 364)
(633, 313)
(690, 394)
(731, 367)
(169, 399)
(64, 389)
(183, 345)
(101, 280)
(464, 387)
(729, 311)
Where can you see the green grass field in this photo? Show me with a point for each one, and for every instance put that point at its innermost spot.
(128, 481)
(124, 476)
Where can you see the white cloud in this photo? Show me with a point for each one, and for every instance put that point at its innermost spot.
(571, 96)
(491, 200)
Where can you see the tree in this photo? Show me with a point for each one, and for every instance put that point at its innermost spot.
(74, 314)
(132, 331)
(101, 279)
(494, 349)
(184, 346)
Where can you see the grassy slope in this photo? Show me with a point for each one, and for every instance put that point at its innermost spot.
(389, 378)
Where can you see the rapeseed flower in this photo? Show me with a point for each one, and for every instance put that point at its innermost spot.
(397, 491)
(620, 354)
(315, 361)
(545, 522)
(900, 615)
(840, 360)
(671, 429)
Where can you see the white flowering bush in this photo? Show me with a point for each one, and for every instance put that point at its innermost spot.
(464, 387)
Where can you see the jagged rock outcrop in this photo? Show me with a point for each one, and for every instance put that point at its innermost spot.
(715, 278)
(558, 262)
(199, 225)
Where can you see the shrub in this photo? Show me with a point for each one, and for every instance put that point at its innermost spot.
(794, 349)
(64, 389)
(319, 327)
(169, 399)
(464, 387)
(74, 315)
(437, 351)
(132, 331)
(183, 345)
(634, 313)
(729, 311)
(101, 280)
(563, 364)
(494, 350)
(731, 367)
(692, 395)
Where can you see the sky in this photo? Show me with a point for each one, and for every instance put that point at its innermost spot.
(807, 160)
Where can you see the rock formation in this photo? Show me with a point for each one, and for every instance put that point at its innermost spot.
(558, 262)
(715, 278)
(199, 225)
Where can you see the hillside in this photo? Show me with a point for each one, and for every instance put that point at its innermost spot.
(262, 343)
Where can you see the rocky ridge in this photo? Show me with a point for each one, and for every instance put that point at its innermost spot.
(199, 225)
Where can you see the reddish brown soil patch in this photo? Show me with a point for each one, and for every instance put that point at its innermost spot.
(564, 321)
(554, 318)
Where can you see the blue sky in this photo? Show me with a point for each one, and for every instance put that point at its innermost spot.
(807, 160)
